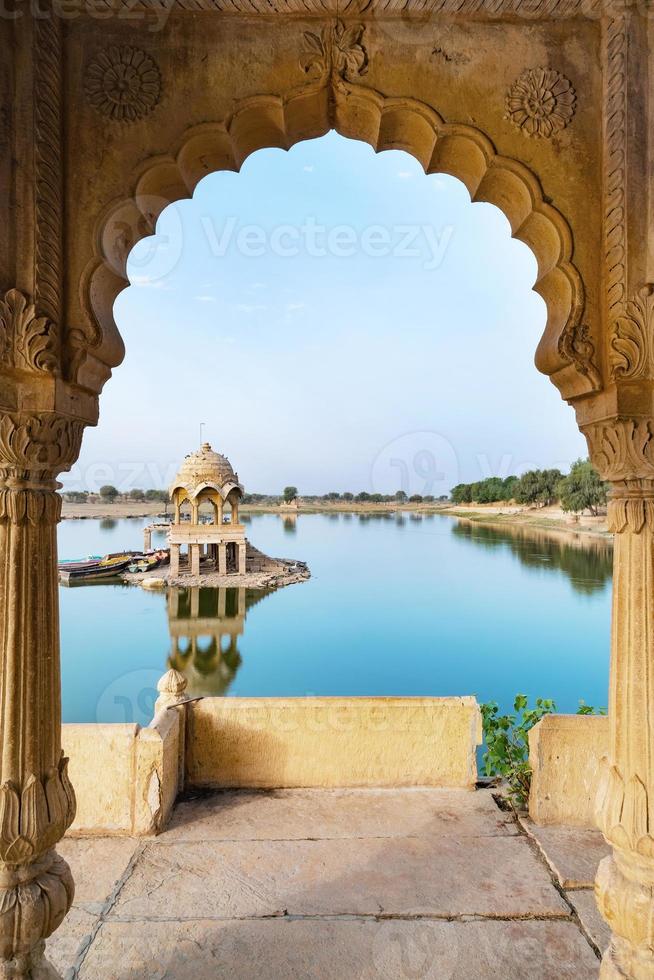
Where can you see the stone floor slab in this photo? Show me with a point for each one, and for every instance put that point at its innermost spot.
(340, 950)
(584, 904)
(62, 948)
(437, 876)
(325, 814)
(572, 853)
(97, 863)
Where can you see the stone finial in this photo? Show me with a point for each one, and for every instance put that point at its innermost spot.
(172, 690)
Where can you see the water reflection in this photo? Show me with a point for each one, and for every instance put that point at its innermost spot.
(204, 626)
(586, 560)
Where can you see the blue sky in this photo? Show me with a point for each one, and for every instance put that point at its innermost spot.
(339, 321)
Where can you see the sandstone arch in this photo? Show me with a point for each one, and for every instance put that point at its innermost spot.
(565, 352)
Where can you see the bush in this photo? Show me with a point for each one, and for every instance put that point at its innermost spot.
(507, 742)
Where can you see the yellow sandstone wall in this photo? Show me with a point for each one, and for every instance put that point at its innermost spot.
(126, 778)
(332, 742)
(565, 752)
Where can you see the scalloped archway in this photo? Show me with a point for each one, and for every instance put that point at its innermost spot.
(565, 351)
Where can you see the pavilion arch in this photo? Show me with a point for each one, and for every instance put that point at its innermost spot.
(565, 351)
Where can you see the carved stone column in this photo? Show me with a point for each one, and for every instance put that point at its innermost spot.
(37, 802)
(623, 451)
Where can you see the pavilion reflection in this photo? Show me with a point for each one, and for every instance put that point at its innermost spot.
(205, 625)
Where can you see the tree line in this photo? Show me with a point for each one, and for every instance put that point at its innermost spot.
(582, 489)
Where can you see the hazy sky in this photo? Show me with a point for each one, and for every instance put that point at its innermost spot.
(339, 321)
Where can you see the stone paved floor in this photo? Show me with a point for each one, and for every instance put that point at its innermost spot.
(335, 885)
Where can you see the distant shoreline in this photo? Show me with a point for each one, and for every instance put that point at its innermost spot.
(545, 519)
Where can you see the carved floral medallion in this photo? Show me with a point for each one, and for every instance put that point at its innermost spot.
(123, 83)
(541, 102)
(338, 48)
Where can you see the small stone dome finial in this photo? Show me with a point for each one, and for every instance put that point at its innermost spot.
(171, 687)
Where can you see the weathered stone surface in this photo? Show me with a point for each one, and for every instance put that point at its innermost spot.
(268, 743)
(97, 865)
(297, 950)
(585, 905)
(441, 876)
(572, 853)
(63, 947)
(565, 753)
(314, 814)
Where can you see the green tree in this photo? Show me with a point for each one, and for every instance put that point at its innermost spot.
(136, 494)
(348, 496)
(401, 496)
(462, 494)
(538, 487)
(509, 488)
(582, 489)
(415, 498)
(290, 494)
(108, 493)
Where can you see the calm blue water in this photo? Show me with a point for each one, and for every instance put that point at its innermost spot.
(395, 606)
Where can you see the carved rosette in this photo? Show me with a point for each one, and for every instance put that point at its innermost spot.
(337, 50)
(632, 356)
(27, 341)
(541, 102)
(123, 83)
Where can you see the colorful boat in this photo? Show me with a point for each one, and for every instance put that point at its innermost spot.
(96, 570)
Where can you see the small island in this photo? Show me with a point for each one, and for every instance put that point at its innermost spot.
(207, 543)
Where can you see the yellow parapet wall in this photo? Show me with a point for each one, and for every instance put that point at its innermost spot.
(565, 754)
(126, 778)
(271, 743)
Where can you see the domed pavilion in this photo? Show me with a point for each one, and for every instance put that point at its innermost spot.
(207, 482)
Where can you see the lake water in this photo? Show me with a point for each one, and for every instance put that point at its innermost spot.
(397, 605)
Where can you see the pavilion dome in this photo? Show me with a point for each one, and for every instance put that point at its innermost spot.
(204, 468)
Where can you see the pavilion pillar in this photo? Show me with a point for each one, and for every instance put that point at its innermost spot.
(195, 602)
(194, 550)
(241, 558)
(625, 803)
(222, 558)
(37, 802)
(147, 538)
(174, 560)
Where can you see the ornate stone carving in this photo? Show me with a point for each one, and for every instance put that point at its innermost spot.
(614, 43)
(541, 102)
(27, 341)
(34, 901)
(622, 450)
(33, 818)
(578, 348)
(338, 49)
(48, 171)
(39, 444)
(623, 811)
(123, 83)
(632, 342)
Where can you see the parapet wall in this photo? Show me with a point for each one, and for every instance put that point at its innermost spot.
(565, 754)
(126, 778)
(275, 743)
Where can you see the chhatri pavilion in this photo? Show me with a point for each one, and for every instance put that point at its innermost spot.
(206, 480)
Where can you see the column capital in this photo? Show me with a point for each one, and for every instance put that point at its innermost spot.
(622, 451)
